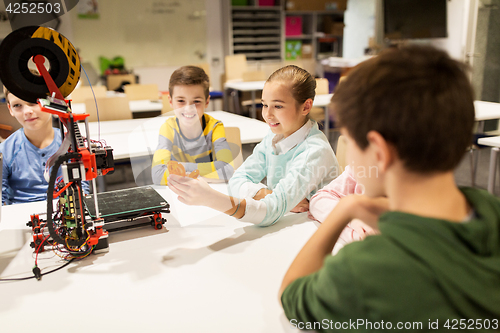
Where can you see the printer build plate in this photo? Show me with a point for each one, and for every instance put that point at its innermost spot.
(126, 206)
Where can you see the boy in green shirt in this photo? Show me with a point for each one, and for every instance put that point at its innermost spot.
(408, 116)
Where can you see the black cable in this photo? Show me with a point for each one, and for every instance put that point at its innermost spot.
(33, 276)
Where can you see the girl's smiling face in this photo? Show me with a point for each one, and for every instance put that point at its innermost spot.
(280, 109)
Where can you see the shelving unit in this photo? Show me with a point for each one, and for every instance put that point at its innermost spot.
(259, 32)
(256, 31)
(323, 44)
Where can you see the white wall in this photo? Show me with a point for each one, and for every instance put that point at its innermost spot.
(359, 19)
(362, 18)
(214, 41)
(142, 33)
(456, 16)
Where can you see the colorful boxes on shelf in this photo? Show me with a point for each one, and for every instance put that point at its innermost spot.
(293, 49)
(265, 3)
(239, 2)
(293, 26)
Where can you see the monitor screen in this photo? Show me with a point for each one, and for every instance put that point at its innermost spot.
(413, 19)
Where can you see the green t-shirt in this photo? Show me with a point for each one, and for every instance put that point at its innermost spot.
(418, 274)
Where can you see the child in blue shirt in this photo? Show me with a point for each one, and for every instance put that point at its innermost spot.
(295, 156)
(26, 151)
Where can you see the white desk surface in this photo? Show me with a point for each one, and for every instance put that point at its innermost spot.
(486, 110)
(135, 106)
(492, 141)
(139, 137)
(208, 273)
(322, 100)
(245, 85)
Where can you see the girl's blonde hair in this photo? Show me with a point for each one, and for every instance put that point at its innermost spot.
(302, 84)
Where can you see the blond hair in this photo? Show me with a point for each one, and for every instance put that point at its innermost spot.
(302, 85)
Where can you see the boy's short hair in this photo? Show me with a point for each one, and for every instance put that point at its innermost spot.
(418, 98)
(189, 76)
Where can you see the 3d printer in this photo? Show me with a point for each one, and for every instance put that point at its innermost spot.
(38, 61)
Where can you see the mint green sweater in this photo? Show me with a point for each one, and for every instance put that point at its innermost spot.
(292, 176)
(418, 269)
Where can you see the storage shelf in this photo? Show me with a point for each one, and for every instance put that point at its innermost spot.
(256, 16)
(301, 37)
(253, 47)
(237, 40)
(253, 24)
(311, 12)
(314, 28)
(256, 32)
(263, 8)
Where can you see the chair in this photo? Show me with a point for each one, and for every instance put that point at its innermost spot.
(235, 66)
(340, 153)
(167, 108)
(5, 131)
(110, 108)
(80, 94)
(322, 87)
(116, 81)
(136, 92)
(318, 113)
(254, 76)
(234, 139)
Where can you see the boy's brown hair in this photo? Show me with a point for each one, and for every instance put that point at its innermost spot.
(189, 76)
(418, 98)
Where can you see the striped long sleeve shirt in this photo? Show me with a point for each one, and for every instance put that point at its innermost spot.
(209, 153)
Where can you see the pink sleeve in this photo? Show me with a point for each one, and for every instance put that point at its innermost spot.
(323, 202)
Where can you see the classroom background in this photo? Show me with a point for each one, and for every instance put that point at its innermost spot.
(124, 42)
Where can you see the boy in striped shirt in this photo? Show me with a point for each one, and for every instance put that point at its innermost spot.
(192, 138)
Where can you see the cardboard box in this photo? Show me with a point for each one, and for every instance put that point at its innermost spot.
(331, 27)
(293, 49)
(293, 26)
(318, 5)
(307, 51)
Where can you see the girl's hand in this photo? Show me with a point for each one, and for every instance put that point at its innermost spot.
(191, 191)
(362, 229)
(361, 207)
(301, 207)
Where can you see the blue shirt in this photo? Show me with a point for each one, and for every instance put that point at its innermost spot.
(23, 168)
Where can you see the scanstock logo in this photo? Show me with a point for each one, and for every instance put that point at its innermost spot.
(24, 13)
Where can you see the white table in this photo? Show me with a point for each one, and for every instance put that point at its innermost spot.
(208, 273)
(489, 111)
(486, 111)
(139, 137)
(493, 142)
(322, 101)
(135, 106)
(252, 86)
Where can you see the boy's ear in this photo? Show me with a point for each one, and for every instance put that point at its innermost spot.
(208, 101)
(306, 107)
(385, 154)
(10, 110)
(170, 100)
